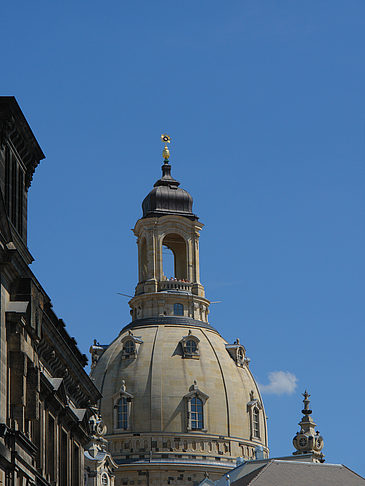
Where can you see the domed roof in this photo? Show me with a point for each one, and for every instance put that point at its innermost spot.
(168, 198)
(159, 379)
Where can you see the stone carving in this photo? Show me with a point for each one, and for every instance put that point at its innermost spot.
(308, 440)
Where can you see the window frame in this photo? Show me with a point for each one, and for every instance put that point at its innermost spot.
(128, 397)
(189, 353)
(196, 413)
(254, 407)
(192, 398)
(128, 353)
(180, 306)
(122, 413)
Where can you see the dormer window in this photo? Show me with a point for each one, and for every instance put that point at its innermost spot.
(178, 309)
(195, 405)
(122, 408)
(129, 347)
(190, 346)
(131, 344)
(254, 408)
(238, 353)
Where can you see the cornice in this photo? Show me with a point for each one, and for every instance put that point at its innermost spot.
(14, 127)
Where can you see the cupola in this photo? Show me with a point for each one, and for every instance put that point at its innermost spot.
(166, 196)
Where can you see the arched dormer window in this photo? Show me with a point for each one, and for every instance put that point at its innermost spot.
(178, 309)
(195, 408)
(130, 347)
(254, 408)
(238, 353)
(122, 409)
(190, 346)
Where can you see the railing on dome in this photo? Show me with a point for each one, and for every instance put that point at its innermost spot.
(175, 285)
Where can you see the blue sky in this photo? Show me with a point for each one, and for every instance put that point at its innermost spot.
(265, 104)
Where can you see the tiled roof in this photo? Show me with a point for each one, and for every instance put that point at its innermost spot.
(290, 473)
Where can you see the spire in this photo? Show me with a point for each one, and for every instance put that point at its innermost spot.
(308, 440)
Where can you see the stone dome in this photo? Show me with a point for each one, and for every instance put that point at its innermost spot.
(178, 400)
(160, 379)
(167, 198)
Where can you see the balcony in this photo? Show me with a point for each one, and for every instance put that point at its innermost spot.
(175, 285)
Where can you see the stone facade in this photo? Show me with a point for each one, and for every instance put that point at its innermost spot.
(45, 394)
(178, 400)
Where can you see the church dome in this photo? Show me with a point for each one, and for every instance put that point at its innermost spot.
(178, 400)
(168, 198)
(162, 374)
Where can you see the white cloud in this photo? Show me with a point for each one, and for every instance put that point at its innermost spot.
(280, 383)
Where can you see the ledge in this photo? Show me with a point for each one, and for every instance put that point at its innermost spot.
(168, 320)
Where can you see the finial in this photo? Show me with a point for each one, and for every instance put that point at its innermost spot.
(308, 440)
(166, 153)
(306, 402)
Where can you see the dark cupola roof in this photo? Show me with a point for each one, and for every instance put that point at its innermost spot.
(167, 197)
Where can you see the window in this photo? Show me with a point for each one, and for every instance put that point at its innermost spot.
(178, 309)
(253, 407)
(50, 449)
(129, 347)
(196, 413)
(177, 245)
(191, 346)
(63, 459)
(238, 353)
(20, 202)
(104, 480)
(195, 404)
(122, 414)
(7, 178)
(75, 465)
(13, 191)
(122, 403)
(256, 422)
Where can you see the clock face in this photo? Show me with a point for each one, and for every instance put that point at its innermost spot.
(303, 441)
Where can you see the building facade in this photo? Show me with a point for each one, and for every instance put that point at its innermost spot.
(45, 394)
(178, 400)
